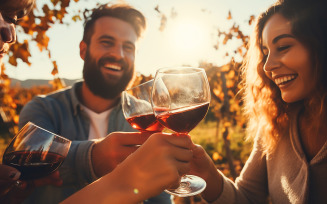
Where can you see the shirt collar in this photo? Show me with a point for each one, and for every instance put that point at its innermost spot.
(73, 91)
(77, 105)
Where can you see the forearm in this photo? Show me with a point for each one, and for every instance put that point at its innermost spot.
(204, 167)
(115, 187)
(214, 182)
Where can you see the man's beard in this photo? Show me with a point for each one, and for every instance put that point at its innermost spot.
(98, 84)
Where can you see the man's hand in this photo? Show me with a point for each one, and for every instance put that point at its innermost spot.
(113, 149)
(159, 163)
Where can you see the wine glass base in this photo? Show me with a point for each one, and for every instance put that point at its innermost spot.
(190, 185)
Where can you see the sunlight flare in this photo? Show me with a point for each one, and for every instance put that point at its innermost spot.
(189, 38)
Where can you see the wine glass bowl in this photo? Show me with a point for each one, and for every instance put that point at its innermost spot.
(180, 100)
(137, 109)
(180, 97)
(36, 152)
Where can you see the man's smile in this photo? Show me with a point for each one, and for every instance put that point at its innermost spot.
(112, 66)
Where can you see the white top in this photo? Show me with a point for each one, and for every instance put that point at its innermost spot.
(98, 123)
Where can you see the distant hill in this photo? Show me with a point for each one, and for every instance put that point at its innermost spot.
(37, 82)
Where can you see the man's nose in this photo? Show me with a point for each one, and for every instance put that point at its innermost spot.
(117, 51)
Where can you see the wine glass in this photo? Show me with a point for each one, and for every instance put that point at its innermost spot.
(180, 100)
(36, 152)
(137, 109)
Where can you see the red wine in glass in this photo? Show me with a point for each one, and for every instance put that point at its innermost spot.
(145, 123)
(137, 109)
(183, 120)
(33, 164)
(36, 152)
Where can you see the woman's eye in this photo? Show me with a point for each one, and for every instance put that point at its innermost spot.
(264, 52)
(284, 47)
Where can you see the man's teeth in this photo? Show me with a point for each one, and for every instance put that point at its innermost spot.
(112, 66)
(284, 79)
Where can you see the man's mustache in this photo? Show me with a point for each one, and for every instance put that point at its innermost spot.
(105, 60)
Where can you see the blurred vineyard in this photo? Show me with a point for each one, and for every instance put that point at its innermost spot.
(221, 133)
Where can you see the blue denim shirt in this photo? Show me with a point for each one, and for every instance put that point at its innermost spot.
(61, 113)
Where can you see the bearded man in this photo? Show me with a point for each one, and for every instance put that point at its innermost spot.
(87, 112)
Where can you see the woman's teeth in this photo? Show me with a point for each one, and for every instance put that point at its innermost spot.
(284, 79)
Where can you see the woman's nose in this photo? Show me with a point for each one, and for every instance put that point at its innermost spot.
(271, 63)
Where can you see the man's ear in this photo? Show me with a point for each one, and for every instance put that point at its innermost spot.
(82, 49)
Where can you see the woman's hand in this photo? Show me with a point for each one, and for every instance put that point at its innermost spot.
(203, 166)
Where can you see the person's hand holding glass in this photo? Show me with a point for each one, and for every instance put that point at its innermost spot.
(37, 154)
(180, 100)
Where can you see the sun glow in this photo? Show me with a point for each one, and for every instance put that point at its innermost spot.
(189, 38)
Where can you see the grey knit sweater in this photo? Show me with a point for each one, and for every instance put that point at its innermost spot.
(285, 176)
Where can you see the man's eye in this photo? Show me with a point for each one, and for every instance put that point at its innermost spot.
(129, 48)
(106, 43)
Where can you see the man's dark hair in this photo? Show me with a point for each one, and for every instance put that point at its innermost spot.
(121, 11)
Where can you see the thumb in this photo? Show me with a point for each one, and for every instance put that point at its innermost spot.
(8, 173)
(198, 151)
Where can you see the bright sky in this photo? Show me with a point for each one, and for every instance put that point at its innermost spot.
(187, 39)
